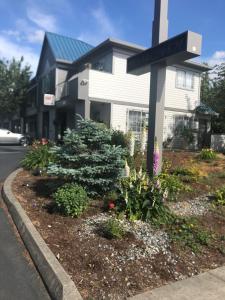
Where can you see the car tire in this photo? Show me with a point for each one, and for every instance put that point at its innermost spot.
(23, 142)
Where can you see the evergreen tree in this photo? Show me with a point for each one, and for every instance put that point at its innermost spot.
(88, 158)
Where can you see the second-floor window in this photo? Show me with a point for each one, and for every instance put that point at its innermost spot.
(185, 79)
(62, 90)
(46, 84)
(103, 63)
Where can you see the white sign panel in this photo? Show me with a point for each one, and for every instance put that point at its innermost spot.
(49, 99)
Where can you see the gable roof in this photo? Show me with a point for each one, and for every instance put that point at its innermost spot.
(66, 48)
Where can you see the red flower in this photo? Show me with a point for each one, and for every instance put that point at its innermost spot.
(44, 141)
(111, 205)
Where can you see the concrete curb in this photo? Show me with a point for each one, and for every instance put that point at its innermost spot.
(58, 282)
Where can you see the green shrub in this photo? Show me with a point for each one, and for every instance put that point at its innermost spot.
(220, 196)
(71, 199)
(186, 232)
(88, 158)
(221, 175)
(173, 184)
(207, 154)
(38, 157)
(187, 174)
(113, 229)
(184, 132)
(119, 138)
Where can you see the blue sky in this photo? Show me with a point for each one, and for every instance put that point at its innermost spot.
(23, 22)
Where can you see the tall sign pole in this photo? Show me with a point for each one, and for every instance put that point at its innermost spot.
(164, 52)
(157, 90)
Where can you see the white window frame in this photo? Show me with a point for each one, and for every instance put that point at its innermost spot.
(142, 112)
(186, 73)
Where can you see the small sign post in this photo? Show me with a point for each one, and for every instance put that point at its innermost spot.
(49, 99)
(164, 52)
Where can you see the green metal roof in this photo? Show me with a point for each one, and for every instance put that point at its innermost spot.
(67, 48)
(205, 110)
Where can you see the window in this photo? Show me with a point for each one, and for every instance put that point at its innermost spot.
(62, 90)
(46, 84)
(103, 63)
(184, 121)
(185, 80)
(136, 121)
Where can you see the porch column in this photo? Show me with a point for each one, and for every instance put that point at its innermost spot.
(87, 109)
(40, 124)
(52, 116)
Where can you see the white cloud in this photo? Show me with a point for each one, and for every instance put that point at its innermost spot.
(104, 27)
(20, 40)
(42, 20)
(104, 21)
(13, 33)
(9, 49)
(217, 58)
(35, 36)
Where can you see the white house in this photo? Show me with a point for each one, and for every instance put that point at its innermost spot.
(93, 82)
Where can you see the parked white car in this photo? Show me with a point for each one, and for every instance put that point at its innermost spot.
(8, 137)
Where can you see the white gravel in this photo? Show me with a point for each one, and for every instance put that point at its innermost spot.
(193, 207)
(154, 241)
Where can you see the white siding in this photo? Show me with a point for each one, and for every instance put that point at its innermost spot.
(119, 115)
(169, 122)
(124, 87)
(60, 75)
(119, 86)
(181, 98)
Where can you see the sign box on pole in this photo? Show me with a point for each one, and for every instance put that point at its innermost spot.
(49, 99)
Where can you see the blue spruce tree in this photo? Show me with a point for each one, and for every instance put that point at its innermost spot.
(88, 158)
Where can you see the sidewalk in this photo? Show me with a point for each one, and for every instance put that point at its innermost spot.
(206, 286)
(19, 280)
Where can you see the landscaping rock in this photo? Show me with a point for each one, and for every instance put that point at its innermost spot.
(152, 241)
(193, 207)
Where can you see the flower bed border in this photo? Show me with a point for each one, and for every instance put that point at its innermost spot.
(58, 282)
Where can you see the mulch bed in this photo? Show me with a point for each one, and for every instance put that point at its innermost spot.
(108, 269)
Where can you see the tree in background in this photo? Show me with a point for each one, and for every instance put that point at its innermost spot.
(206, 86)
(218, 99)
(213, 94)
(14, 81)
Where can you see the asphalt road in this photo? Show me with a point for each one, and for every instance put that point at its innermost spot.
(19, 280)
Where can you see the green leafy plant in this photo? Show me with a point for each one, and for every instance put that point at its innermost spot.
(221, 175)
(220, 196)
(132, 194)
(88, 158)
(113, 229)
(173, 184)
(190, 174)
(71, 199)
(185, 132)
(142, 198)
(188, 233)
(119, 138)
(207, 154)
(38, 157)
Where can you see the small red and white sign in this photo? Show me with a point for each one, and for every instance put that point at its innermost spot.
(49, 99)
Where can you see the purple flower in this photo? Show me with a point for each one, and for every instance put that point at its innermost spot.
(156, 158)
